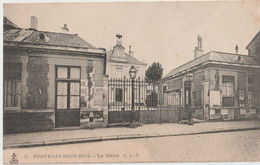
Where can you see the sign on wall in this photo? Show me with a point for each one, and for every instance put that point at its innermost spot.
(241, 95)
(242, 111)
(212, 112)
(224, 111)
(214, 98)
(252, 111)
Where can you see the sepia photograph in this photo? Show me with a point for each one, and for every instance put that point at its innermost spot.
(131, 82)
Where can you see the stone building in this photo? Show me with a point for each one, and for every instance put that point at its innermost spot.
(224, 87)
(119, 63)
(52, 80)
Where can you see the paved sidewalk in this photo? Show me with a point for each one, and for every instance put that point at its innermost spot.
(145, 131)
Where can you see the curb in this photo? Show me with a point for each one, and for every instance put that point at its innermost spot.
(116, 137)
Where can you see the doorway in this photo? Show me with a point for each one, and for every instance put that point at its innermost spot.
(67, 96)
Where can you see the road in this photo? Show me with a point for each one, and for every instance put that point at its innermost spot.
(229, 146)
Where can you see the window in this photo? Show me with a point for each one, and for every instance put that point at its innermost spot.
(187, 97)
(74, 73)
(251, 96)
(68, 87)
(12, 85)
(251, 79)
(119, 95)
(173, 98)
(251, 90)
(228, 90)
(241, 95)
(187, 87)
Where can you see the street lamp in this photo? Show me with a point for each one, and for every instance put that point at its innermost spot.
(189, 78)
(132, 74)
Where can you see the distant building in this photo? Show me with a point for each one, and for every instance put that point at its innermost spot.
(51, 80)
(224, 87)
(119, 61)
(254, 46)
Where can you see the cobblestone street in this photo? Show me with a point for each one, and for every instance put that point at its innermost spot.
(232, 146)
(229, 146)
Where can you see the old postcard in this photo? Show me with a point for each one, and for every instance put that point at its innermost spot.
(131, 82)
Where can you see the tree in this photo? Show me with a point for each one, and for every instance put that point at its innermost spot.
(152, 75)
(154, 72)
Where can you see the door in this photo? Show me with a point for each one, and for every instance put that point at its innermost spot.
(67, 106)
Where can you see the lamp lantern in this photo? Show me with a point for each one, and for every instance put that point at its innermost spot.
(132, 72)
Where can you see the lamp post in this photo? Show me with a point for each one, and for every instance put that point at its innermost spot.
(189, 78)
(132, 74)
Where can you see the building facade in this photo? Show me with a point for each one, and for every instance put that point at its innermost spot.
(52, 80)
(224, 86)
(119, 63)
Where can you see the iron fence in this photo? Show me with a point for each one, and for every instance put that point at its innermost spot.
(146, 95)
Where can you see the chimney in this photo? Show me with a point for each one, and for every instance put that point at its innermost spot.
(65, 29)
(119, 39)
(198, 50)
(34, 23)
(131, 53)
(236, 48)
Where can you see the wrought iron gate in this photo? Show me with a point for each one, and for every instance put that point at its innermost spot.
(120, 99)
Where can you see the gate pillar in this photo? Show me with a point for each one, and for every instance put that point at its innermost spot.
(105, 100)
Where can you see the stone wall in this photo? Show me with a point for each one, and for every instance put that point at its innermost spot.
(220, 114)
(37, 82)
(198, 79)
(112, 66)
(161, 115)
(28, 121)
(99, 115)
(199, 113)
(38, 89)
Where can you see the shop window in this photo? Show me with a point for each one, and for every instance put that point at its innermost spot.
(12, 85)
(251, 96)
(228, 90)
(119, 95)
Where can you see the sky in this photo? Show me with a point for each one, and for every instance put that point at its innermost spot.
(164, 32)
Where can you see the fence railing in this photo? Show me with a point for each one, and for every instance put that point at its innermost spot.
(146, 94)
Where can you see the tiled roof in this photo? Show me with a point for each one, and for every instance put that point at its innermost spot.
(215, 57)
(50, 38)
(129, 59)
